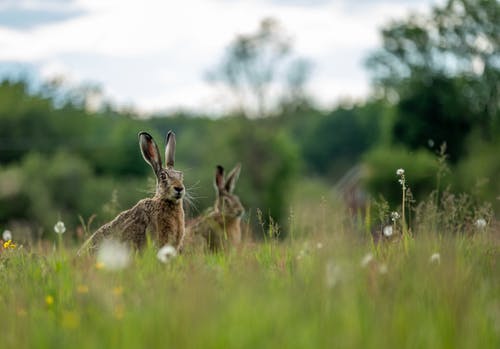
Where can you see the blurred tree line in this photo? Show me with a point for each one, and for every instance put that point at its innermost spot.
(435, 82)
(441, 72)
(67, 161)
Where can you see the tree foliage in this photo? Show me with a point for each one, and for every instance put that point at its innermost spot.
(334, 142)
(66, 161)
(442, 71)
(259, 70)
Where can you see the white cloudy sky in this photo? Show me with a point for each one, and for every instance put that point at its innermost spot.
(153, 54)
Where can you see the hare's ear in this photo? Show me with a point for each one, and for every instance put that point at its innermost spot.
(150, 151)
(170, 149)
(232, 178)
(219, 178)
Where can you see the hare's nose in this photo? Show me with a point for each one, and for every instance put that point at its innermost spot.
(179, 189)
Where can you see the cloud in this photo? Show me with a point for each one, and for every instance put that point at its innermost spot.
(359, 4)
(28, 19)
(55, 69)
(28, 14)
(305, 3)
(155, 53)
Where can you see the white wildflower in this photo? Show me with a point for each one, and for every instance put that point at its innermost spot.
(301, 254)
(435, 258)
(367, 259)
(480, 223)
(166, 253)
(382, 268)
(332, 274)
(59, 228)
(394, 216)
(387, 230)
(113, 255)
(400, 172)
(7, 235)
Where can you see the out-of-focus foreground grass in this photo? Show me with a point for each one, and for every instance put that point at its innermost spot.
(326, 286)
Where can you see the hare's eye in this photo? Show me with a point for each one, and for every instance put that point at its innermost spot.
(163, 176)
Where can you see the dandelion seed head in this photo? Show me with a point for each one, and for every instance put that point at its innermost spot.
(367, 259)
(387, 231)
(302, 253)
(400, 172)
(333, 274)
(435, 258)
(480, 223)
(394, 216)
(59, 228)
(166, 253)
(7, 235)
(113, 255)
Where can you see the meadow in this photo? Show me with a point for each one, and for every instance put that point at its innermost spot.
(417, 268)
(328, 284)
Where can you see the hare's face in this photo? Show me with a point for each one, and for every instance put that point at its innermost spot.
(229, 205)
(170, 185)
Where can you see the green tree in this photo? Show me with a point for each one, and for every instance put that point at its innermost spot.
(336, 141)
(259, 71)
(442, 71)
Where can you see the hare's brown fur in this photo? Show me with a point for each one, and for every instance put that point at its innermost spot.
(220, 226)
(213, 231)
(162, 215)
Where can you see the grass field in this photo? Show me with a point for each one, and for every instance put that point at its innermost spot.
(332, 291)
(327, 285)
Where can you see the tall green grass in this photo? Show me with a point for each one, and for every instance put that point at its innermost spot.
(327, 285)
(307, 294)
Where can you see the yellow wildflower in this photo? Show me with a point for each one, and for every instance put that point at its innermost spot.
(118, 290)
(49, 300)
(9, 244)
(119, 311)
(99, 265)
(70, 319)
(82, 289)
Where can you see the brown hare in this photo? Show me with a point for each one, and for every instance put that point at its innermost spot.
(162, 215)
(219, 227)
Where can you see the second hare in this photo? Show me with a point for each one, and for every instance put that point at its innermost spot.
(162, 215)
(221, 225)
